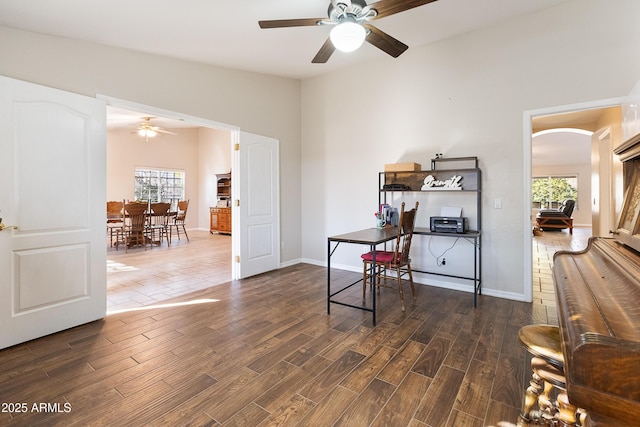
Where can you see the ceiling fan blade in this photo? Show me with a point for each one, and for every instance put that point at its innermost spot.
(165, 131)
(384, 41)
(282, 23)
(324, 53)
(390, 7)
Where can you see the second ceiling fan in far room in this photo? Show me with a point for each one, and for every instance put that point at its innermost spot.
(350, 19)
(147, 130)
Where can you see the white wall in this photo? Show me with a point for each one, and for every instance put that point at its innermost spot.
(464, 96)
(214, 157)
(256, 103)
(126, 152)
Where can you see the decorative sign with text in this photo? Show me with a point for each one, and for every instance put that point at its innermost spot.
(432, 184)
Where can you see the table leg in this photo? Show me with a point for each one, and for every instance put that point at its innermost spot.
(374, 282)
(475, 272)
(329, 277)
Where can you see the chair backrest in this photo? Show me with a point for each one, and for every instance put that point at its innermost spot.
(136, 215)
(405, 233)
(183, 205)
(567, 206)
(160, 211)
(115, 210)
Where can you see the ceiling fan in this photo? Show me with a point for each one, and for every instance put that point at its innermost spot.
(351, 29)
(148, 130)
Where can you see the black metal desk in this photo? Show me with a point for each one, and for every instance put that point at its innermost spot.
(371, 237)
(473, 236)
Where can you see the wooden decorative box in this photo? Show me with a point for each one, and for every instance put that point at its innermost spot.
(402, 167)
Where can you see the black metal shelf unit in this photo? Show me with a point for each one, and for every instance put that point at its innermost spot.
(451, 181)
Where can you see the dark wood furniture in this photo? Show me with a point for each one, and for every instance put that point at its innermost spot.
(396, 261)
(546, 400)
(220, 220)
(598, 295)
(598, 300)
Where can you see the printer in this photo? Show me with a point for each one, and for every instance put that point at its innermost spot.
(443, 224)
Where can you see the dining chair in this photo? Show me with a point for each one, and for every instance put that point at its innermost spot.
(179, 219)
(134, 233)
(115, 218)
(158, 225)
(396, 261)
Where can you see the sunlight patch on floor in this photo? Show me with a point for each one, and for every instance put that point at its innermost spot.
(168, 305)
(114, 267)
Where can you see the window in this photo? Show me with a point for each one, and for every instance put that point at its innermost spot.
(548, 192)
(159, 185)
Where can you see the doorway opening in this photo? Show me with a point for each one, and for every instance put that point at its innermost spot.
(200, 149)
(563, 141)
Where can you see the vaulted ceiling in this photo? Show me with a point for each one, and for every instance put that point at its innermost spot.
(226, 33)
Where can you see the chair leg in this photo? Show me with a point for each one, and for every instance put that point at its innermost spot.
(364, 280)
(530, 399)
(413, 287)
(367, 274)
(567, 412)
(185, 232)
(399, 274)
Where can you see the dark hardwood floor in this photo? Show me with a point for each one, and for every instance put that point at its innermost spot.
(263, 351)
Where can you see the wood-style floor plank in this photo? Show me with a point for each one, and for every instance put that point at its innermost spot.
(263, 351)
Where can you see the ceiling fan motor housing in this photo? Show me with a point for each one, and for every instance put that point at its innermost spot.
(341, 10)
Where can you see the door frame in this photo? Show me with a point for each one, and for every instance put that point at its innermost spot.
(527, 175)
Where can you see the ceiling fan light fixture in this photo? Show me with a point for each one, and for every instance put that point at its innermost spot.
(147, 133)
(348, 36)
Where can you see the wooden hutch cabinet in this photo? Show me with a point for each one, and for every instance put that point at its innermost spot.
(220, 215)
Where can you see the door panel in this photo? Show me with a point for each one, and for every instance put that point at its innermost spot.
(38, 288)
(258, 184)
(52, 269)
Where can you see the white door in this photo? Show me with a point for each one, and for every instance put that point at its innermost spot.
(53, 187)
(257, 192)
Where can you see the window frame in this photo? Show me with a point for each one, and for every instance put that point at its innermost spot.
(161, 193)
(554, 204)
